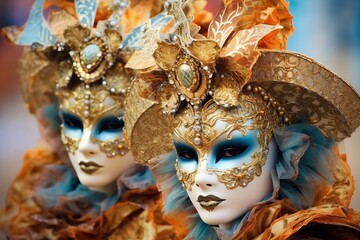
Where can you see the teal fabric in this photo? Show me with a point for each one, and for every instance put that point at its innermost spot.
(300, 180)
(61, 192)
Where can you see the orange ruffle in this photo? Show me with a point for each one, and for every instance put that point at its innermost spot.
(280, 220)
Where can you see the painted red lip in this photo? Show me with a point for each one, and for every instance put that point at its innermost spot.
(209, 202)
(89, 167)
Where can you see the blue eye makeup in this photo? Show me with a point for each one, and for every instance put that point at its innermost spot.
(187, 157)
(108, 128)
(73, 126)
(227, 154)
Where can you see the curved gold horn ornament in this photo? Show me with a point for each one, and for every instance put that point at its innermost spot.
(149, 133)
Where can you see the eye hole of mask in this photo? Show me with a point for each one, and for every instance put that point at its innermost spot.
(71, 121)
(110, 124)
(230, 152)
(108, 128)
(186, 153)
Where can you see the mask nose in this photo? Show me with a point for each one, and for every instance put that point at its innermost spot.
(204, 179)
(87, 147)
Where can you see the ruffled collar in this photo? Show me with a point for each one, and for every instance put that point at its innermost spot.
(61, 190)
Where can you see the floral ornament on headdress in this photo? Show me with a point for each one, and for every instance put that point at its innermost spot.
(190, 67)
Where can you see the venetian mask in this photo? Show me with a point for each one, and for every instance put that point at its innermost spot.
(92, 132)
(230, 169)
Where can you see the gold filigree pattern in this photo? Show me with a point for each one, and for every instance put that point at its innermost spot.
(253, 113)
(110, 148)
(193, 65)
(113, 148)
(90, 101)
(242, 176)
(292, 87)
(309, 92)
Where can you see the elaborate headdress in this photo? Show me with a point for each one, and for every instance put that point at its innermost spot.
(84, 63)
(234, 60)
(68, 43)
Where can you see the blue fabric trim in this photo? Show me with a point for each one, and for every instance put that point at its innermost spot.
(86, 11)
(36, 29)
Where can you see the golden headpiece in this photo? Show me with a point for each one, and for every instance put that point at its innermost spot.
(68, 47)
(79, 54)
(189, 71)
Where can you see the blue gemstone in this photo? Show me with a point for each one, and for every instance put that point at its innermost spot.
(91, 54)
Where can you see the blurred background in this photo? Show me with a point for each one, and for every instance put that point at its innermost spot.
(325, 30)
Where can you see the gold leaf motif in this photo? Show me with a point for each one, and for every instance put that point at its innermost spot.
(267, 12)
(148, 84)
(226, 92)
(166, 55)
(205, 50)
(236, 74)
(243, 46)
(141, 60)
(169, 99)
(224, 23)
(114, 40)
(74, 36)
(118, 79)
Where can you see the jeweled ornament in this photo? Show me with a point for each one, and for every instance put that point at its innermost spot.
(186, 75)
(91, 56)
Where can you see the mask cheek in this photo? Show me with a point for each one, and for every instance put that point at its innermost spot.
(107, 136)
(187, 179)
(71, 139)
(73, 133)
(187, 165)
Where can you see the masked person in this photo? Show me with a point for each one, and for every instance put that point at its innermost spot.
(251, 133)
(94, 189)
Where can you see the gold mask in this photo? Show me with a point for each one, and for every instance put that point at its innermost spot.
(252, 116)
(88, 104)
